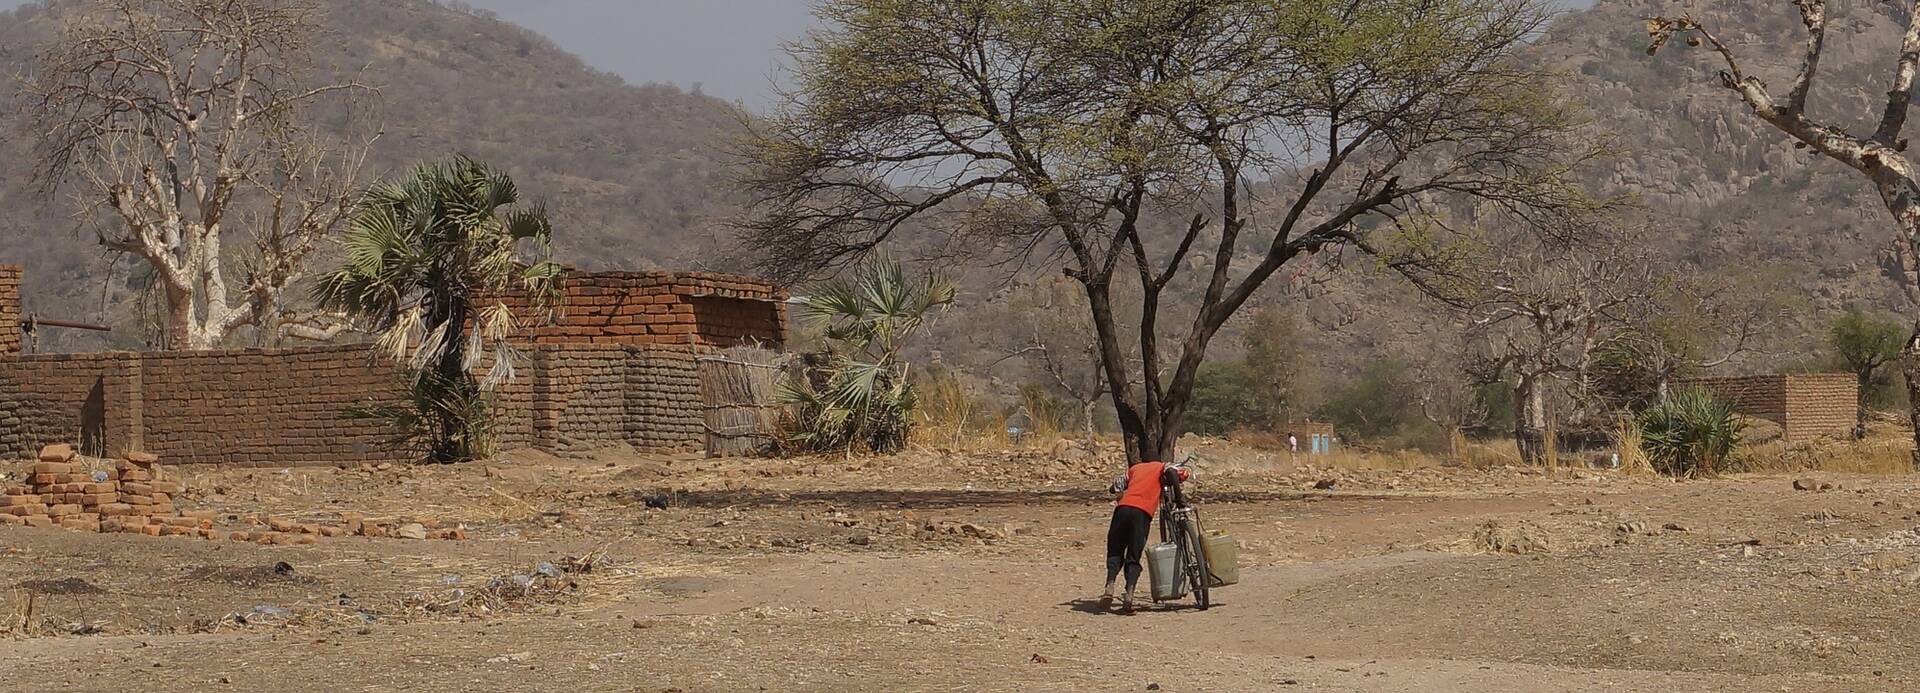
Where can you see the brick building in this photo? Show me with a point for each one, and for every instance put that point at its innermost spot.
(1807, 406)
(9, 309)
(618, 367)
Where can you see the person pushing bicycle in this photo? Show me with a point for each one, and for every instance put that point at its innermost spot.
(1139, 490)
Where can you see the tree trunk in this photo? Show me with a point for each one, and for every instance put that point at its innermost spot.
(1087, 409)
(1910, 366)
(1529, 421)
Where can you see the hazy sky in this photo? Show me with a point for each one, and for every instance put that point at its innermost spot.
(729, 47)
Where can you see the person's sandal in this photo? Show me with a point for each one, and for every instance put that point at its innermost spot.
(1126, 603)
(1106, 600)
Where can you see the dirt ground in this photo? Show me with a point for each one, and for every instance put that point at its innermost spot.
(974, 572)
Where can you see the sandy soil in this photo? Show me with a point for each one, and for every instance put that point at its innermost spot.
(975, 572)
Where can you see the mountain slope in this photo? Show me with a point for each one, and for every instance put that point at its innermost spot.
(633, 174)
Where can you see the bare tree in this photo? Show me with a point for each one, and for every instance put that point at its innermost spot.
(182, 123)
(1133, 137)
(1880, 155)
(1058, 342)
(1546, 306)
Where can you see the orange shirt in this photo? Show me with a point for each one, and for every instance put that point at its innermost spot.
(1140, 488)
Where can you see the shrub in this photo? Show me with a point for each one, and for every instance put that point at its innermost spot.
(1225, 398)
(1690, 434)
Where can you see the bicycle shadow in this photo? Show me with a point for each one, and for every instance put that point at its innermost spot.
(1092, 606)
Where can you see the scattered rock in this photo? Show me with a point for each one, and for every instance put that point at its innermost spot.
(922, 621)
(1039, 659)
(1153, 686)
(1321, 485)
(860, 540)
(411, 530)
(1676, 527)
(1806, 485)
(513, 657)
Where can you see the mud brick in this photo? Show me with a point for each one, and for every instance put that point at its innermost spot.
(57, 453)
(77, 524)
(173, 531)
(180, 521)
(24, 499)
(267, 538)
(210, 534)
(99, 498)
(304, 540)
(162, 498)
(332, 532)
(208, 515)
(64, 509)
(133, 499)
(12, 520)
(112, 525)
(18, 490)
(50, 468)
(142, 458)
(45, 479)
(24, 510)
(162, 508)
(374, 531)
(72, 498)
(135, 475)
(77, 478)
(167, 486)
(137, 489)
(116, 509)
(240, 536)
(103, 487)
(38, 521)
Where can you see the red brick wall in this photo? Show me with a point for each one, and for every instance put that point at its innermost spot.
(9, 309)
(663, 308)
(286, 407)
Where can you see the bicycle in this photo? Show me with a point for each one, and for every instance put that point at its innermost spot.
(1180, 524)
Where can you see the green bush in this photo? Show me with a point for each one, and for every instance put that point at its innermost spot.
(1690, 434)
(1226, 397)
(1374, 405)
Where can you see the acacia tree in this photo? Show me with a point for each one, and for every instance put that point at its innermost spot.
(182, 123)
(1135, 136)
(1879, 155)
(1864, 343)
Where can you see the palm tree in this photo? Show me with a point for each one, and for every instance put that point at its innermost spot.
(864, 395)
(433, 258)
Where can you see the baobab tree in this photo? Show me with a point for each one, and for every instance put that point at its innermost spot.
(1879, 153)
(180, 125)
(1208, 142)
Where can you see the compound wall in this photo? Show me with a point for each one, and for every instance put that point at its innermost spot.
(281, 407)
(1806, 406)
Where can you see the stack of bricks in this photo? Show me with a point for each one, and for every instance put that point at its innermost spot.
(136, 496)
(1807, 406)
(9, 309)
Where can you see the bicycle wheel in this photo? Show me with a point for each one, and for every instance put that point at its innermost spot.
(1199, 574)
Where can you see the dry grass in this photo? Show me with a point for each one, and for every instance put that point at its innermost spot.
(1633, 457)
(1875, 455)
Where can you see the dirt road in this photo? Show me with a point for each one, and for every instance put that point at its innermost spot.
(789, 583)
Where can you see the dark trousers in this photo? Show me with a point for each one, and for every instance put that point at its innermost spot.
(1126, 539)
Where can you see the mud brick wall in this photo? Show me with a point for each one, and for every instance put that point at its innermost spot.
(1821, 404)
(64, 398)
(663, 405)
(662, 308)
(585, 396)
(9, 309)
(265, 407)
(1806, 406)
(288, 407)
(241, 407)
